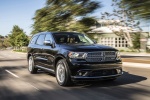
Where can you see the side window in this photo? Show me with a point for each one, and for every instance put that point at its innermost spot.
(33, 40)
(48, 37)
(40, 40)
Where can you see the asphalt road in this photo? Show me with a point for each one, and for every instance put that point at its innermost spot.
(136, 59)
(17, 84)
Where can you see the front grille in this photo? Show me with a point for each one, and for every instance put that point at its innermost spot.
(96, 59)
(101, 56)
(103, 72)
(109, 58)
(109, 53)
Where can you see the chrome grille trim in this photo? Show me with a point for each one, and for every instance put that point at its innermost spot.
(101, 56)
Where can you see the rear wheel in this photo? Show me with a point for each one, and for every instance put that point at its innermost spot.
(62, 73)
(31, 66)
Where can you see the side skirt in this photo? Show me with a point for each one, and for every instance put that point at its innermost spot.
(46, 69)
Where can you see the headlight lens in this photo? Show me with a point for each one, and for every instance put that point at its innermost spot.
(118, 57)
(77, 55)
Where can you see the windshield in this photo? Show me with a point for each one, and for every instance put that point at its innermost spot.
(72, 38)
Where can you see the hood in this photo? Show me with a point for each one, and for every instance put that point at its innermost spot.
(84, 48)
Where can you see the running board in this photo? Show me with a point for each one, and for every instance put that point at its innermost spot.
(51, 70)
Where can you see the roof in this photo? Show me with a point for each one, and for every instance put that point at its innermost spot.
(56, 33)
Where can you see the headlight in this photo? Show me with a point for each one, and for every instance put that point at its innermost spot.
(77, 55)
(118, 57)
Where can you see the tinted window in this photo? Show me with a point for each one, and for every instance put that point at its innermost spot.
(48, 37)
(40, 40)
(74, 38)
(33, 40)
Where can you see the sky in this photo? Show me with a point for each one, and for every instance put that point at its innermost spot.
(18, 12)
(21, 12)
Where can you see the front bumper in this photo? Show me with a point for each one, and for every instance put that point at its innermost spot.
(92, 72)
(93, 78)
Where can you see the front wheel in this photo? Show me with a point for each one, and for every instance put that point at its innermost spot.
(62, 73)
(31, 66)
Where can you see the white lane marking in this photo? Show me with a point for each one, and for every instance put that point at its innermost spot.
(12, 73)
(18, 77)
(33, 86)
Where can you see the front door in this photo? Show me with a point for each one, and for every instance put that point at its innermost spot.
(49, 52)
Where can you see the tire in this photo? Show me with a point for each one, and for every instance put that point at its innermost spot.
(31, 66)
(62, 73)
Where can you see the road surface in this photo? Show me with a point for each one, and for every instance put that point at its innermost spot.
(136, 59)
(17, 84)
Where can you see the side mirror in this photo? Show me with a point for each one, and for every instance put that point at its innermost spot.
(94, 41)
(48, 43)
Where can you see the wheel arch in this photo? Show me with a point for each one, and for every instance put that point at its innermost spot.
(58, 57)
(28, 55)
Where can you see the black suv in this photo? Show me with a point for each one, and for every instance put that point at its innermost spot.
(72, 57)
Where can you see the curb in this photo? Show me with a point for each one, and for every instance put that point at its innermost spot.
(136, 65)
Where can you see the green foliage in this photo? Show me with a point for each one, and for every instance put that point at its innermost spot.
(21, 40)
(136, 40)
(141, 8)
(82, 25)
(1, 41)
(92, 36)
(61, 15)
(18, 37)
(1, 44)
(121, 50)
(6, 42)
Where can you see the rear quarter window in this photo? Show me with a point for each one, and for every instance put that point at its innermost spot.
(40, 40)
(33, 40)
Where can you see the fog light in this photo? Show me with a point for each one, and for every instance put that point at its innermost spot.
(80, 74)
(118, 71)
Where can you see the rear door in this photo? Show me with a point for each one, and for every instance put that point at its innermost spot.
(39, 45)
(32, 48)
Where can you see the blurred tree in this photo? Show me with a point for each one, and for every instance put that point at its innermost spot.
(6, 43)
(123, 21)
(18, 38)
(62, 15)
(136, 41)
(1, 41)
(21, 40)
(1, 36)
(140, 8)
